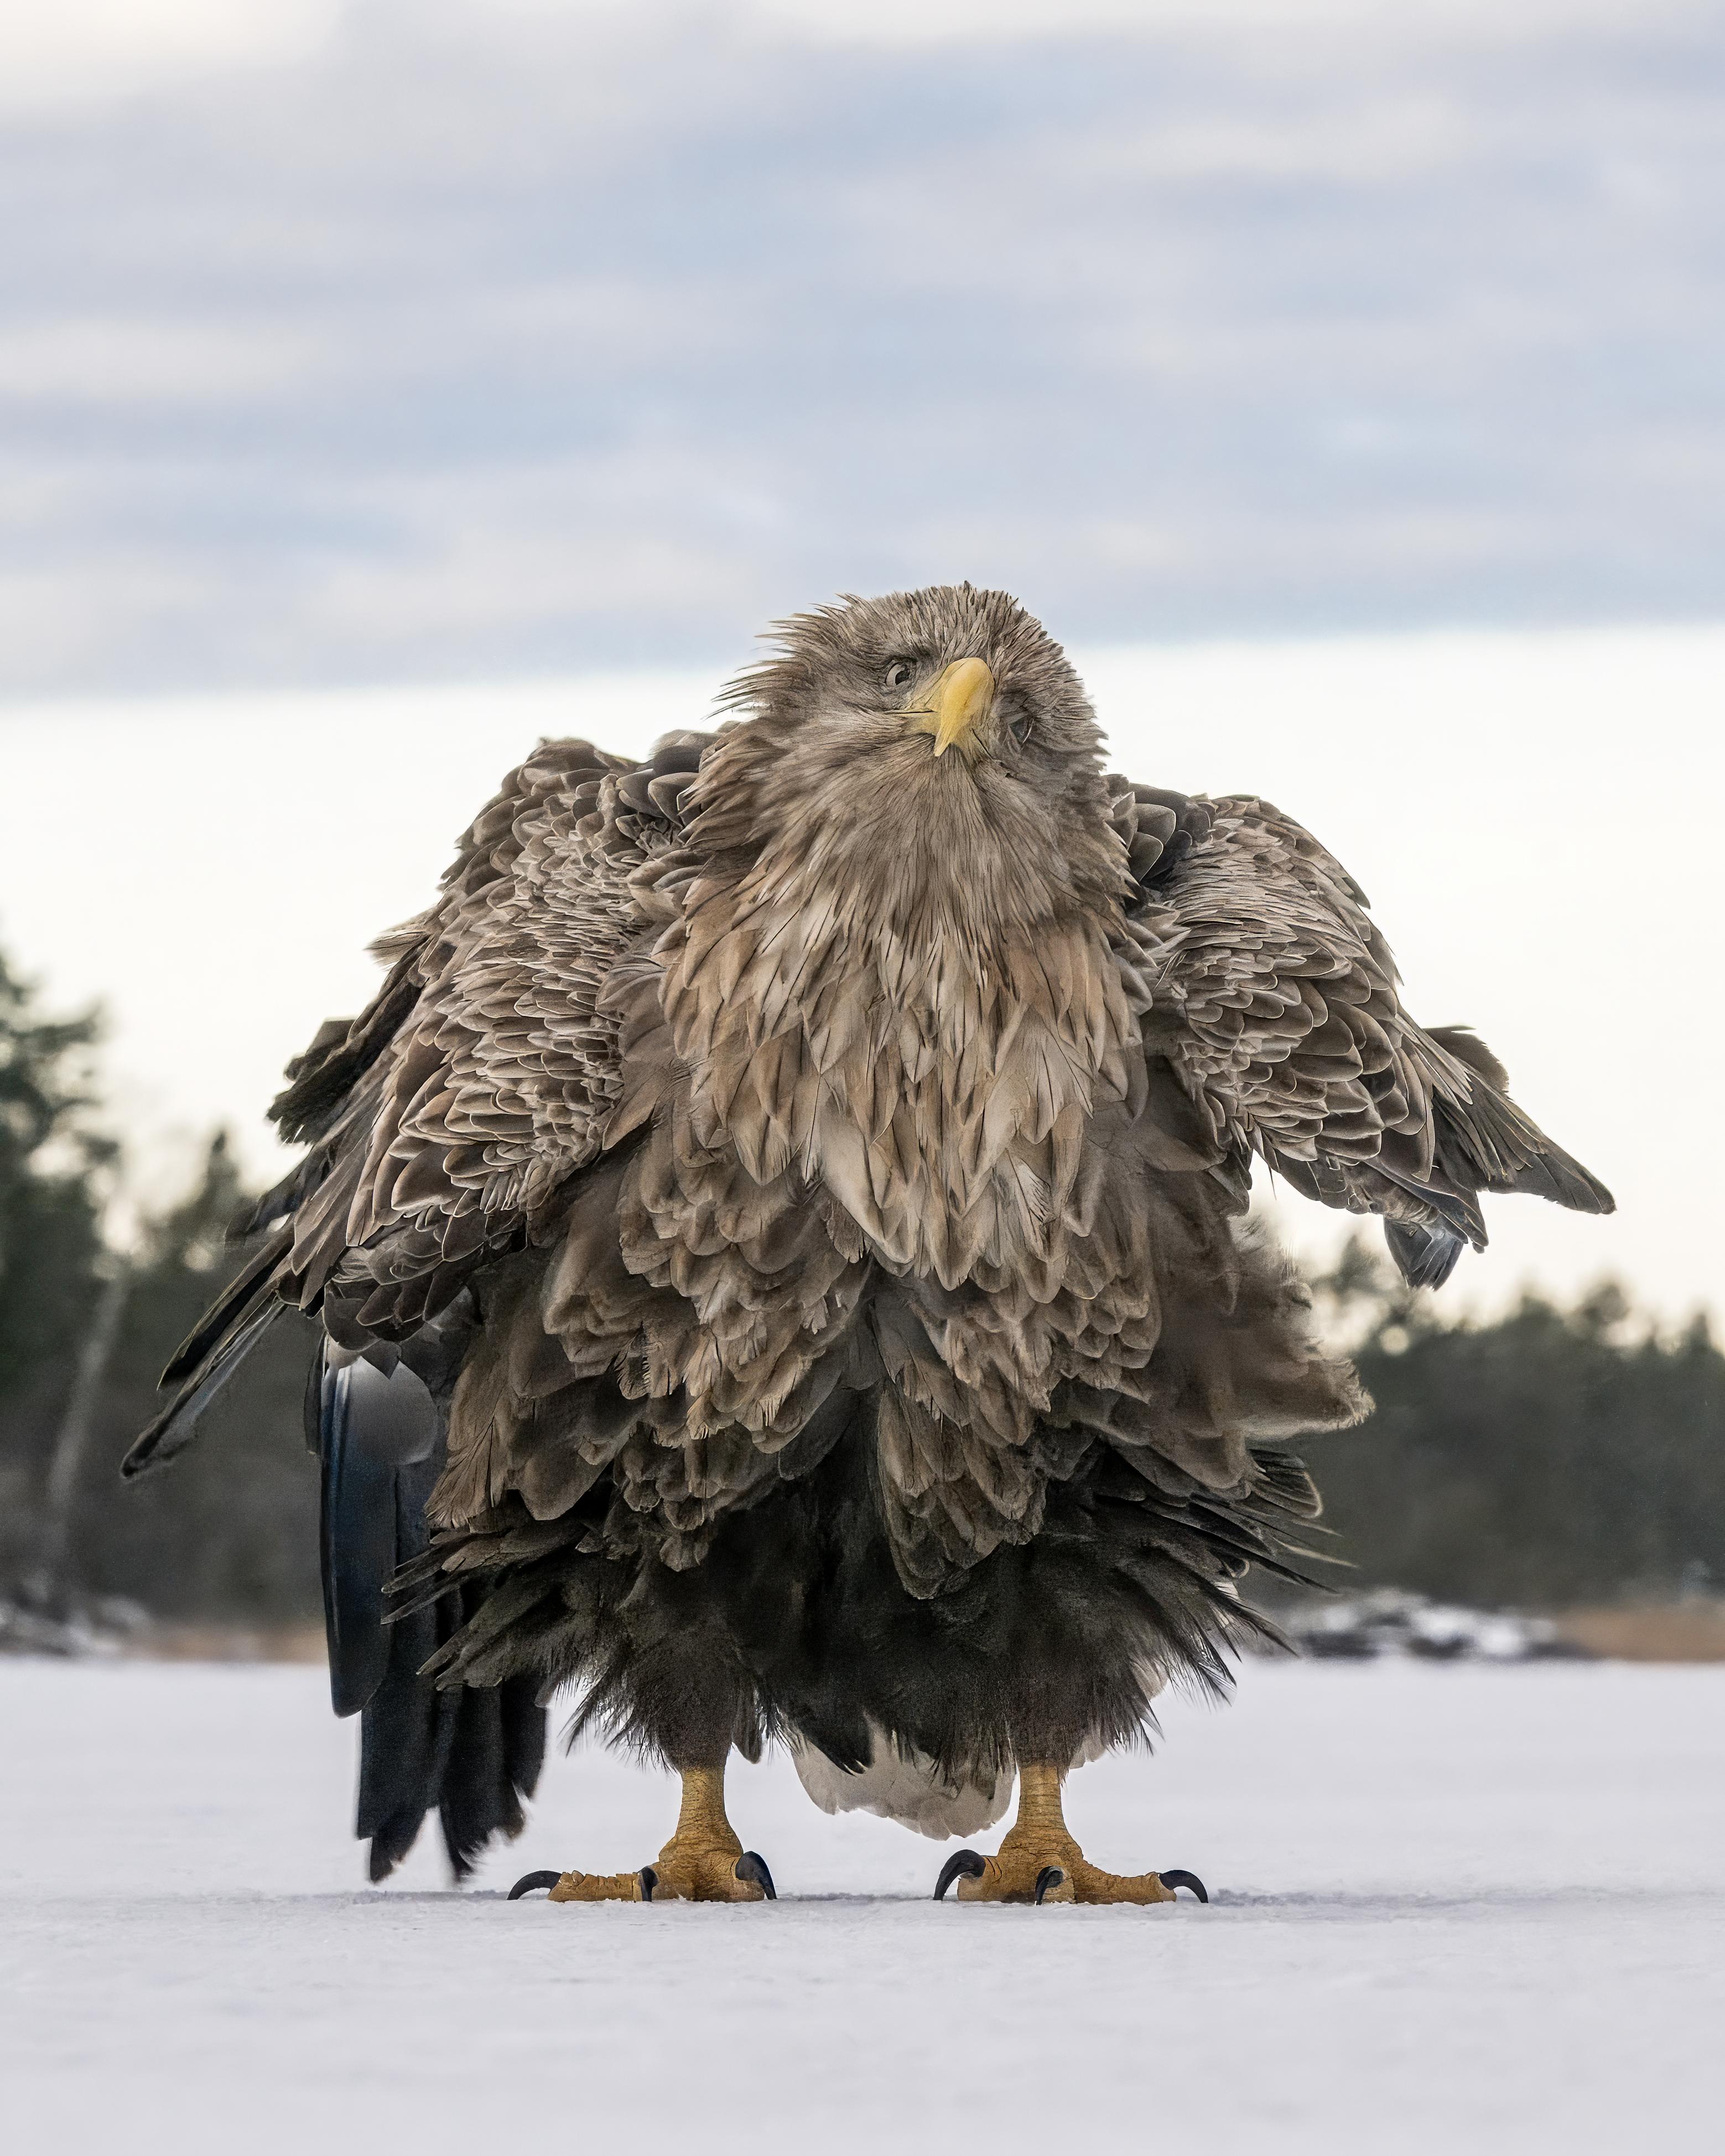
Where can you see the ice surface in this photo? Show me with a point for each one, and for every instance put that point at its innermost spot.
(1455, 1908)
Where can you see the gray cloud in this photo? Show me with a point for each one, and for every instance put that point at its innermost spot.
(487, 343)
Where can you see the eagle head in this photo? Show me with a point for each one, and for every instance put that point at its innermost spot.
(921, 766)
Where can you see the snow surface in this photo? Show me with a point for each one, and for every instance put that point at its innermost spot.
(1454, 1907)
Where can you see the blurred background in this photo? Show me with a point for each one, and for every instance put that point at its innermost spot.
(385, 384)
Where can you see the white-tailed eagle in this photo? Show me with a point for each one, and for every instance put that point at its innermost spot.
(777, 1237)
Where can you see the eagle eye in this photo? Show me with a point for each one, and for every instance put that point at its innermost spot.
(1020, 726)
(898, 674)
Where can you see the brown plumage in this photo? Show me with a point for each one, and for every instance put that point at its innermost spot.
(806, 1171)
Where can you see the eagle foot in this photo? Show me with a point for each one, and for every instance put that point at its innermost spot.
(1040, 1861)
(703, 1860)
(604, 1886)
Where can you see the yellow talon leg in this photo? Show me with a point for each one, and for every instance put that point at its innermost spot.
(599, 1887)
(1040, 1861)
(703, 1860)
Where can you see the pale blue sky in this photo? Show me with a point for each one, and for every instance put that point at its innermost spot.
(481, 337)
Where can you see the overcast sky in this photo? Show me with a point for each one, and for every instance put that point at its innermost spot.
(414, 338)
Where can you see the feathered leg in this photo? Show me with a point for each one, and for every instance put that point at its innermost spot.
(703, 1860)
(1040, 1861)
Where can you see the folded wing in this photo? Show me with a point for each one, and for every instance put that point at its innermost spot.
(445, 1119)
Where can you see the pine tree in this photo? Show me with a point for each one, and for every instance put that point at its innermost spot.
(53, 1168)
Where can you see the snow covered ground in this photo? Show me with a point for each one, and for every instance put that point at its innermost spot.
(1454, 1907)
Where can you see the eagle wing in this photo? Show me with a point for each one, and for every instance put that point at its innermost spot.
(443, 1121)
(446, 1118)
(1275, 998)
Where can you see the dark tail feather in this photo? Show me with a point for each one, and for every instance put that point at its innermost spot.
(407, 1737)
(1457, 1209)
(1565, 1182)
(231, 1308)
(209, 1356)
(378, 1435)
(1426, 1257)
(1505, 1150)
(493, 1763)
(174, 1428)
(279, 1201)
(470, 1755)
(1512, 1154)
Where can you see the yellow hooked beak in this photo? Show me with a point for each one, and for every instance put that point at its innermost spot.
(953, 707)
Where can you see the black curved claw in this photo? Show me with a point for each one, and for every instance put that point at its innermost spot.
(963, 1862)
(1173, 1879)
(1050, 1876)
(532, 1882)
(650, 1880)
(751, 1867)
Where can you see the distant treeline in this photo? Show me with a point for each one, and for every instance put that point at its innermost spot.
(1551, 1458)
(230, 1533)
